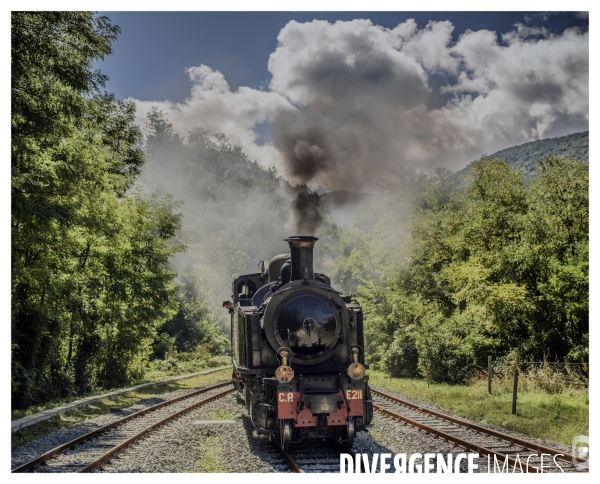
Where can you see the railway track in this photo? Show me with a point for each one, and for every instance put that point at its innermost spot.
(314, 457)
(518, 453)
(88, 452)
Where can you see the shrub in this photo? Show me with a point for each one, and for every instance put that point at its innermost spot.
(445, 354)
(402, 357)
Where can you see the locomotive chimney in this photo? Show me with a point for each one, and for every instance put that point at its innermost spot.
(301, 249)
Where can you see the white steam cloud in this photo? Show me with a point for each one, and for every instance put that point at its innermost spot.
(350, 102)
(213, 106)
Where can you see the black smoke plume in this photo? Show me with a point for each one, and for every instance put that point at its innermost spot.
(307, 211)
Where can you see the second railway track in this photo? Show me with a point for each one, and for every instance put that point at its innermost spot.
(519, 453)
(90, 451)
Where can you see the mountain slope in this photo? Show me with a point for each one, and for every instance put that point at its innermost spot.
(525, 156)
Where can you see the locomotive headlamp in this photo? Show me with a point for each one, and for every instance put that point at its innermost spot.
(284, 374)
(356, 371)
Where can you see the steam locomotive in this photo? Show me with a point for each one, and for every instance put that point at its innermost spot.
(298, 358)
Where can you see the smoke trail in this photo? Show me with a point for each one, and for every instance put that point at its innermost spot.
(307, 211)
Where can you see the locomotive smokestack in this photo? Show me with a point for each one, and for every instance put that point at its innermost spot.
(301, 249)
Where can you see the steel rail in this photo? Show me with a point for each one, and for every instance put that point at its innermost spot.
(295, 467)
(456, 440)
(291, 462)
(514, 440)
(95, 433)
(108, 455)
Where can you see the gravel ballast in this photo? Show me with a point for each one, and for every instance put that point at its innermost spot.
(186, 446)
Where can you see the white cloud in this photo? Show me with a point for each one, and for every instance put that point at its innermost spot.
(344, 61)
(526, 86)
(429, 46)
(351, 101)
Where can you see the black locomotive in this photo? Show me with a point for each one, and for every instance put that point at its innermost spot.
(298, 351)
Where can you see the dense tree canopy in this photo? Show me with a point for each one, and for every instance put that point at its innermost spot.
(90, 280)
(496, 268)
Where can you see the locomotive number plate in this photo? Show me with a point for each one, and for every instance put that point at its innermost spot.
(286, 397)
(354, 394)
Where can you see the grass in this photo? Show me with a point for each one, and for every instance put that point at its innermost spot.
(557, 416)
(211, 459)
(151, 376)
(222, 414)
(105, 405)
(210, 452)
(182, 363)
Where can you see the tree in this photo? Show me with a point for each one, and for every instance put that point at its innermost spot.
(494, 267)
(234, 216)
(90, 280)
(194, 323)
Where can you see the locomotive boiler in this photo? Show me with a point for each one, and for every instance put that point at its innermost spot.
(298, 356)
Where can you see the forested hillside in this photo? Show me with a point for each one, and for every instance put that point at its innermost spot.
(234, 215)
(526, 156)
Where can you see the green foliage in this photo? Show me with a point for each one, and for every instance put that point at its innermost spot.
(377, 244)
(496, 268)
(443, 352)
(181, 363)
(402, 356)
(193, 325)
(90, 275)
(162, 346)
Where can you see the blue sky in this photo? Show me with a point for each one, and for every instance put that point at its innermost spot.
(154, 48)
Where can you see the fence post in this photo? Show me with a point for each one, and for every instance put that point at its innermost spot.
(490, 375)
(516, 384)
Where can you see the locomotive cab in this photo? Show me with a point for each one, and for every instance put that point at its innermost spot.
(298, 352)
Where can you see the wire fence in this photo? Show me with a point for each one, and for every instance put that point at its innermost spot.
(539, 377)
(550, 376)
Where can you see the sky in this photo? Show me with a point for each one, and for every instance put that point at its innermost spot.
(336, 99)
(155, 48)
